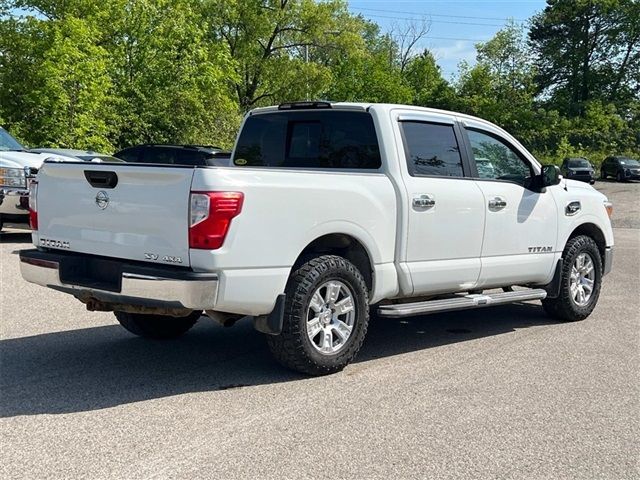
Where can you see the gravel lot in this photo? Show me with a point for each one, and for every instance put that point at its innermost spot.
(496, 393)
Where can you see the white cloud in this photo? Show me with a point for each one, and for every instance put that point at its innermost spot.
(450, 55)
(459, 50)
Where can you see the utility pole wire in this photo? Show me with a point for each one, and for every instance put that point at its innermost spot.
(475, 17)
(437, 21)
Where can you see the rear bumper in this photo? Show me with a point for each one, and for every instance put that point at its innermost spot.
(115, 282)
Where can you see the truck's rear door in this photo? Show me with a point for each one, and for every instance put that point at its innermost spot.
(136, 212)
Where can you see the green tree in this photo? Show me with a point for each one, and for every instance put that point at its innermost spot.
(114, 73)
(423, 75)
(371, 74)
(109, 74)
(587, 50)
(500, 87)
(170, 82)
(278, 46)
(55, 83)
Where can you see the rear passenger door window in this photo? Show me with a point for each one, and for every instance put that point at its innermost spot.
(322, 139)
(431, 149)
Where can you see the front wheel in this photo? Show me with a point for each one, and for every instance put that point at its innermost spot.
(326, 317)
(619, 177)
(159, 327)
(580, 283)
(603, 174)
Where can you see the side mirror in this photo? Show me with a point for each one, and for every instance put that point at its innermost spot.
(550, 175)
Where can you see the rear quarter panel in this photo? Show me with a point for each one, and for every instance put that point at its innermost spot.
(283, 212)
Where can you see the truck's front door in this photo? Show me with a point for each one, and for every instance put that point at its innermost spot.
(520, 231)
(445, 211)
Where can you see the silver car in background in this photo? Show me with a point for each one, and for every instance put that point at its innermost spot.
(84, 155)
(18, 167)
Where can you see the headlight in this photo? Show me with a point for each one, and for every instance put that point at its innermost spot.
(13, 177)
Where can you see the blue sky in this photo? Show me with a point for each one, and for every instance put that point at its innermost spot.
(452, 36)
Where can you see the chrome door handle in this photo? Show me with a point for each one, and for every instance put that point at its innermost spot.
(424, 201)
(497, 203)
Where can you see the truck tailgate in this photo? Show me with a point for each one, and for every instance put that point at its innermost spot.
(127, 211)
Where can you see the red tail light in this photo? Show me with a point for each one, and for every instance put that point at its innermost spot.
(210, 216)
(33, 205)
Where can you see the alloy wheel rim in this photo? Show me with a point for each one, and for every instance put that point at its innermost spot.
(331, 317)
(582, 279)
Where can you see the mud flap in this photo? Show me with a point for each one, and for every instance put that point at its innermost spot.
(553, 288)
(272, 324)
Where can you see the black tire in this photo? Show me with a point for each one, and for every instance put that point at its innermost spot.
(159, 327)
(603, 174)
(619, 177)
(293, 348)
(564, 307)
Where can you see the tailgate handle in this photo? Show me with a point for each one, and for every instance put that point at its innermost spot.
(101, 178)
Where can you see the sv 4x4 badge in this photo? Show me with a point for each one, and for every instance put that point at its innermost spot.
(166, 258)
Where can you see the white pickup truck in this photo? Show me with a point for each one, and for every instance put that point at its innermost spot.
(327, 211)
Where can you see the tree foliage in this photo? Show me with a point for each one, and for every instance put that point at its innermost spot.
(109, 74)
(587, 50)
(170, 82)
(275, 42)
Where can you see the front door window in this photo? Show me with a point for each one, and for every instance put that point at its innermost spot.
(496, 160)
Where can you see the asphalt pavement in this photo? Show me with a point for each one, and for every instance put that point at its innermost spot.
(501, 393)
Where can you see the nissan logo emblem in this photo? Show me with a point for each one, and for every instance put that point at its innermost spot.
(102, 199)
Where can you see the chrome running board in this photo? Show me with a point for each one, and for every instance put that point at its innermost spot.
(460, 303)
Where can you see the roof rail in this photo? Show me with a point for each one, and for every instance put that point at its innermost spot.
(195, 145)
(303, 105)
(187, 145)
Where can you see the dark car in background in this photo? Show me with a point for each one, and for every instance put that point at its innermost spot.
(621, 168)
(578, 168)
(194, 155)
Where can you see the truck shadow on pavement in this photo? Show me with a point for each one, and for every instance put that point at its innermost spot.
(15, 237)
(101, 367)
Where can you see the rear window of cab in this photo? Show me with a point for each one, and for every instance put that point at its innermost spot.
(309, 139)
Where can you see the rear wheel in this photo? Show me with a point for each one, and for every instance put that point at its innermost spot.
(157, 326)
(580, 282)
(326, 317)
